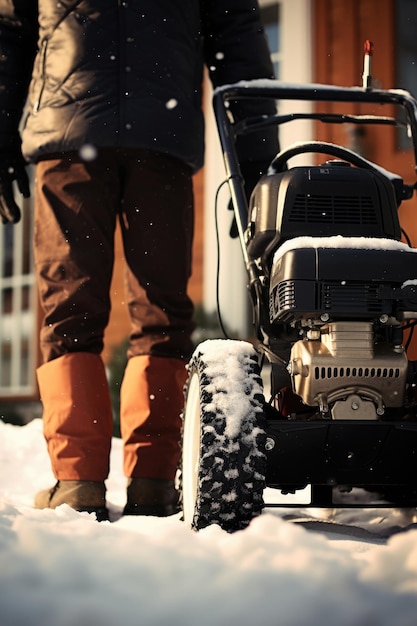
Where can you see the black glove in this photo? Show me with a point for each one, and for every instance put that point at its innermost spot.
(12, 167)
(251, 173)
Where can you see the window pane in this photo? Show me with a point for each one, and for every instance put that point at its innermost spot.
(7, 299)
(8, 240)
(270, 20)
(5, 370)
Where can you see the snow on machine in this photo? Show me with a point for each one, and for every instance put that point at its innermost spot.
(334, 295)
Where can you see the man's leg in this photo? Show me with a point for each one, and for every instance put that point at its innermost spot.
(73, 246)
(157, 226)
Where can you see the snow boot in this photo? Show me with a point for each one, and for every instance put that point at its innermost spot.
(151, 496)
(151, 401)
(81, 495)
(78, 427)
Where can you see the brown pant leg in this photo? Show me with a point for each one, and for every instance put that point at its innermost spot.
(76, 205)
(157, 225)
(75, 212)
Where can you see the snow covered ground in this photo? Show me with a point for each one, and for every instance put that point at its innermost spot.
(62, 568)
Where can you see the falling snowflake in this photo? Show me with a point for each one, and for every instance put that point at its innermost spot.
(88, 152)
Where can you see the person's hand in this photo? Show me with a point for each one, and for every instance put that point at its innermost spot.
(12, 168)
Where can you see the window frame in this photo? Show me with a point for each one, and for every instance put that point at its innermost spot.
(18, 306)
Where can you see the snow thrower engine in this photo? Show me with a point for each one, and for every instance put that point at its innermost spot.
(327, 238)
(332, 281)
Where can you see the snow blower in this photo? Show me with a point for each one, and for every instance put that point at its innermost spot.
(334, 297)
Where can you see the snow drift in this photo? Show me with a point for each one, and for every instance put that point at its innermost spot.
(62, 568)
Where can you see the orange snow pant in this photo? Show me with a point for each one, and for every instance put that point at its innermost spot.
(77, 204)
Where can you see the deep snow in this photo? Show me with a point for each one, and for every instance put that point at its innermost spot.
(62, 568)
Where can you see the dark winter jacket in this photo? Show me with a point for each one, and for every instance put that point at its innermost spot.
(122, 73)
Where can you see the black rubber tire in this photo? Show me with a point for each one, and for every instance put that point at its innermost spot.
(224, 461)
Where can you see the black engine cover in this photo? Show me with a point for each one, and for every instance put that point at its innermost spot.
(321, 201)
(343, 282)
